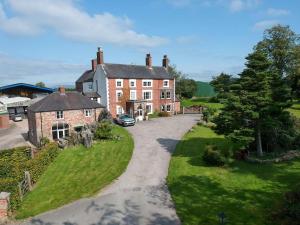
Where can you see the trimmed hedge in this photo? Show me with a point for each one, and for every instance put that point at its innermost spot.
(14, 162)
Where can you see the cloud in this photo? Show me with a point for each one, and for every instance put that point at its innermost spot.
(187, 39)
(232, 5)
(277, 12)
(31, 17)
(13, 70)
(239, 5)
(265, 24)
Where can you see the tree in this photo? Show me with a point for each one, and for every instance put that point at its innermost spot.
(222, 84)
(280, 44)
(40, 84)
(247, 103)
(184, 86)
(295, 76)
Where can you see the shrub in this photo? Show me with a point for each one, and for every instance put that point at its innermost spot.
(287, 212)
(163, 114)
(104, 130)
(213, 157)
(11, 185)
(44, 141)
(104, 115)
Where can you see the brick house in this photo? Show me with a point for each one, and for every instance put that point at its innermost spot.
(149, 88)
(59, 114)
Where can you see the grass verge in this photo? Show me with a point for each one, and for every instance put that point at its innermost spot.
(244, 192)
(78, 172)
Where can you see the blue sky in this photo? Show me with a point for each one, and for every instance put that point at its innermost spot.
(54, 40)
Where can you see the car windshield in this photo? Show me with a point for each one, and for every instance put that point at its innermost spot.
(124, 117)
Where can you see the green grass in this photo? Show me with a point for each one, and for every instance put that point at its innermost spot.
(295, 110)
(78, 172)
(245, 192)
(200, 101)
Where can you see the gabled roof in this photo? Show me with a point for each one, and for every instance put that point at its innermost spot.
(135, 72)
(68, 101)
(30, 86)
(86, 76)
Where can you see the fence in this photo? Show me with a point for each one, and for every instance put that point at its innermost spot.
(25, 185)
(192, 110)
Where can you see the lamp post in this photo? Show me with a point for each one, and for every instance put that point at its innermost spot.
(222, 218)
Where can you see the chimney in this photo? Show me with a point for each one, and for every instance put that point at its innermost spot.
(94, 64)
(62, 90)
(148, 60)
(100, 59)
(165, 61)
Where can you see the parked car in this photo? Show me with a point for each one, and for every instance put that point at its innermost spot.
(125, 120)
(17, 118)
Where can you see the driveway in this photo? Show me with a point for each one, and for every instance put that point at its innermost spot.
(140, 196)
(15, 135)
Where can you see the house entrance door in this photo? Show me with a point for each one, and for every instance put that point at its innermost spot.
(140, 113)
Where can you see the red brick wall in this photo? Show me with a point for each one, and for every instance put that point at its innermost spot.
(157, 86)
(40, 124)
(4, 121)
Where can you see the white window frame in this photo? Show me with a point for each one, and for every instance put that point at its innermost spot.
(167, 108)
(60, 115)
(118, 107)
(166, 95)
(150, 91)
(162, 108)
(119, 80)
(88, 112)
(132, 91)
(166, 81)
(150, 104)
(117, 92)
(134, 81)
(151, 81)
(162, 95)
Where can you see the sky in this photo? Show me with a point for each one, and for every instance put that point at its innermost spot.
(54, 40)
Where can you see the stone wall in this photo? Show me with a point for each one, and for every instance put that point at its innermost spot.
(40, 124)
(4, 206)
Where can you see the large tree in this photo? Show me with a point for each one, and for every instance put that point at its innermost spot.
(280, 44)
(221, 84)
(247, 103)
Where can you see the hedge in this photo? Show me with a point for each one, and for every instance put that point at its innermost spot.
(14, 162)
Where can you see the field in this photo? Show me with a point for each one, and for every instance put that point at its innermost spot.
(203, 101)
(244, 192)
(78, 172)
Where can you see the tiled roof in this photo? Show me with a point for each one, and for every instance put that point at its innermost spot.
(92, 94)
(68, 101)
(86, 76)
(135, 72)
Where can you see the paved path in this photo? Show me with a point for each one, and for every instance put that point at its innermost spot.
(140, 196)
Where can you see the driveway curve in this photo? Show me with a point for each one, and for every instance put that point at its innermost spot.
(140, 195)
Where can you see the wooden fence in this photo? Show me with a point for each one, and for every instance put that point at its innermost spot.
(25, 185)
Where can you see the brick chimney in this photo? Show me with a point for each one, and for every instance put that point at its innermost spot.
(149, 60)
(100, 59)
(165, 62)
(94, 64)
(62, 90)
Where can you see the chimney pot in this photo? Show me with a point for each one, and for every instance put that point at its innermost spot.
(148, 60)
(100, 58)
(62, 90)
(165, 61)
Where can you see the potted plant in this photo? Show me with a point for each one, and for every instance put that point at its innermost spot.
(146, 116)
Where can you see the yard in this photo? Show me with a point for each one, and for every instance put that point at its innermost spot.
(203, 101)
(78, 172)
(244, 192)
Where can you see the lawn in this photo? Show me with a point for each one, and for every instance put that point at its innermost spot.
(203, 101)
(295, 110)
(78, 172)
(244, 192)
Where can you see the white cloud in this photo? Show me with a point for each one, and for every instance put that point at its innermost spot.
(14, 70)
(265, 24)
(239, 5)
(31, 17)
(277, 12)
(187, 39)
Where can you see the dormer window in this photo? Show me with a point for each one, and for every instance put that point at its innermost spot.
(59, 114)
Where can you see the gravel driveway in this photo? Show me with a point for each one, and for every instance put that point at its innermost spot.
(140, 196)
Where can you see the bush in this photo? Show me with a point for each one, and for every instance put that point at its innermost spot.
(11, 185)
(104, 115)
(287, 212)
(104, 130)
(163, 114)
(44, 141)
(213, 157)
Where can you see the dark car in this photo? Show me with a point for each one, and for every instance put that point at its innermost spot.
(125, 120)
